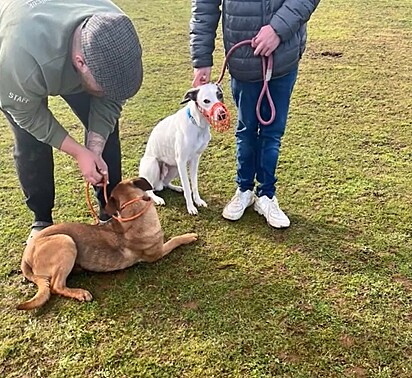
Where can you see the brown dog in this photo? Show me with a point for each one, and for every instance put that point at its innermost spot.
(122, 242)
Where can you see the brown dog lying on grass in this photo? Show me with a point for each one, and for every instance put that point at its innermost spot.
(122, 242)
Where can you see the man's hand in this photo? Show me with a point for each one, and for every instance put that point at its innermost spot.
(201, 76)
(266, 41)
(92, 165)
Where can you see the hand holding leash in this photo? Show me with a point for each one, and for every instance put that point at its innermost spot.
(267, 68)
(91, 165)
(266, 41)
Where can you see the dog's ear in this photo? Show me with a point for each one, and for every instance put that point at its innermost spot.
(111, 206)
(142, 183)
(191, 94)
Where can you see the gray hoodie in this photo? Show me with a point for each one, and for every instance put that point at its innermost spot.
(35, 62)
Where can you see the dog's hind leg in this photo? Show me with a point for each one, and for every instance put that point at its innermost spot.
(177, 241)
(43, 265)
(171, 175)
(60, 288)
(66, 260)
(175, 188)
(42, 295)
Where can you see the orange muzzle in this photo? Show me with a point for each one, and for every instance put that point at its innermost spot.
(218, 116)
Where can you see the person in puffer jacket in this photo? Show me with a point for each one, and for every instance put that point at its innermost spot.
(275, 27)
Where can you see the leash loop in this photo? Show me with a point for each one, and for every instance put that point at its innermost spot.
(267, 69)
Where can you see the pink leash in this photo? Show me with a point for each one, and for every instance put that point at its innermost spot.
(267, 68)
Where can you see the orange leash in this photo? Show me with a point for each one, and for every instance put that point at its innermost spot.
(89, 204)
(122, 207)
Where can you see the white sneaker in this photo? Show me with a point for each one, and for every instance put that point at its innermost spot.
(238, 204)
(270, 209)
(36, 228)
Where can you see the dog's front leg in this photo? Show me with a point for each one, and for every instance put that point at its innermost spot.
(194, 168)
(182, 167)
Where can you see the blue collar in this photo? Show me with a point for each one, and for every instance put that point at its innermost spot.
(191, 118)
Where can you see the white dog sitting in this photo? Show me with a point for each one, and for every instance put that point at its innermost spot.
(178, 141)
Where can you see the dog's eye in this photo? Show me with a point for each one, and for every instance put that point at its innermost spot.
(219, 96)
(206, 101)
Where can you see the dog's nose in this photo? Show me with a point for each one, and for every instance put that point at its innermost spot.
(221, 115)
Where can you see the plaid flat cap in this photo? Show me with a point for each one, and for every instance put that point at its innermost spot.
(112, 51)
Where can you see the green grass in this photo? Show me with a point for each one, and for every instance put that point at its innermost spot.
(329, 297)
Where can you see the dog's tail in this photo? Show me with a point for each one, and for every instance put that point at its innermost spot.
(43, 292)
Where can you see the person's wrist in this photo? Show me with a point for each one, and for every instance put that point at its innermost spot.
(95, 142)
(72, 148)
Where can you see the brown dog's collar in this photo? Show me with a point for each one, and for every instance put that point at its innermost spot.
(132, 201)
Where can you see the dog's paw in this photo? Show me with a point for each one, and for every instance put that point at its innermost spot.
(190, 238)
(176, 188)
(192, 209)
(200, 202)
(159, 200)
(83, 295)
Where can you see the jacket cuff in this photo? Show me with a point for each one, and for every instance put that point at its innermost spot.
(57, 138)
(281, 28)
(202, 62)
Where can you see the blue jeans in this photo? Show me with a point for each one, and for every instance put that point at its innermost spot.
(257, 146)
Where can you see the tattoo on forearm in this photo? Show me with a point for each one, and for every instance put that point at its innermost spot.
(95, 142)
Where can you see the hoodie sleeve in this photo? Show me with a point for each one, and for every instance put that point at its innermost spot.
(203, 25)
(291, 16)
(25, 101)
(103, 116)
(24, 98)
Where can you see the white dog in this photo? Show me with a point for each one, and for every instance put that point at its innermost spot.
(178, 141)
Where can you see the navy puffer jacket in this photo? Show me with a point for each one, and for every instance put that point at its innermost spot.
(242, 20)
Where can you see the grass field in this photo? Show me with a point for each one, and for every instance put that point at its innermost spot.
(329, 297)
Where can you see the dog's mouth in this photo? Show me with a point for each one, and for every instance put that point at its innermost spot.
(221, 115)
(218, 117)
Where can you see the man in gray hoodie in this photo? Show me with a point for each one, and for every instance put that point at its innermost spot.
(87, 52)
(276, 28)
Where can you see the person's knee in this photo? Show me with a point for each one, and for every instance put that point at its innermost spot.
(32, 151)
